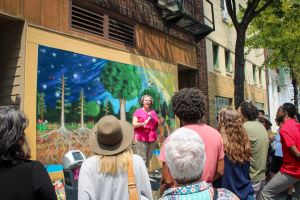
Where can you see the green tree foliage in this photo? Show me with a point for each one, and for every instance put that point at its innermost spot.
(156, 96)
(41, 105)
(241, 22)
(108, 108)
(278, 30)
(129, 114)
(92, 109)
(122, 81)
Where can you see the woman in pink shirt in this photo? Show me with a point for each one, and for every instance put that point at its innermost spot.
(145, 122)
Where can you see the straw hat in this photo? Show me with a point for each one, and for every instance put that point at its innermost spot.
(110, 136)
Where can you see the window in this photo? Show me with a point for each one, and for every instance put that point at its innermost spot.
(86, 20)
(215, 55)
(254, 73)
(221, 102)
(260, 77)
(222, 4)
(227, 61)
(259, 106)
(95, 21)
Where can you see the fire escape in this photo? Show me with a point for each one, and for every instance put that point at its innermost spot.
(181, 14)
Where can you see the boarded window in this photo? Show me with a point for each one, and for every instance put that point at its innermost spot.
(86, 20)
(121, 32)
(92, 20)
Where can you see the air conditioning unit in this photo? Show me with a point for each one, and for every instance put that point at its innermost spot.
(225, 16)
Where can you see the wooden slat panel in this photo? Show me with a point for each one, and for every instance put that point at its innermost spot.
(121, 40)
(8, 72)
(11, 6)
(121, 37)
(11, 90)
(81, 22)
(8, 81)
(98, 19)
(120, 24)
(8, 100)
(32, 11)
(51, 14)
(87, 30)
(120, 32)
(15, 52)
(163, 47)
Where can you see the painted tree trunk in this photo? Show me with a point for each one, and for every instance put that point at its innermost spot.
(239, 72)
(62, 114)
(81, 113)
(122, 109)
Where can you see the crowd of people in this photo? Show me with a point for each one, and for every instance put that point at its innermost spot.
(241, 159)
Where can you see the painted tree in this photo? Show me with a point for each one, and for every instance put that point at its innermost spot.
(122, 81)
(63, 104)
(41, 105)
(253, 9)
(82, 107)
(108, 108)
(92, 109)
(278, 30)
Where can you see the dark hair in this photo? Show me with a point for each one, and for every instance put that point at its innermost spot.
(249, 111)
(261, 111)
(189, 104)
(290, 109)
(12, 125)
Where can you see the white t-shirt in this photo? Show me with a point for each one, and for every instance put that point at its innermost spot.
(93, 185)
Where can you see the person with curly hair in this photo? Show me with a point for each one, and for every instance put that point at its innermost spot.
(20, 178)
(189, 106)
(259, 140)
(237, 155)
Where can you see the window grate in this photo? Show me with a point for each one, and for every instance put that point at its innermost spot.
(91, 21)
(120, 31)
(86, 20)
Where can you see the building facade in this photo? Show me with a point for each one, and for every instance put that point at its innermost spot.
(66, 63)
(220, 47)
(280, 91)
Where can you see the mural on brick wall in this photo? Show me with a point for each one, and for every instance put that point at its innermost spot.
(74, 91)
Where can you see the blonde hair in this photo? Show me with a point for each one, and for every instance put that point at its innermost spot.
(236, 142)
(115, 163)
(144, 96)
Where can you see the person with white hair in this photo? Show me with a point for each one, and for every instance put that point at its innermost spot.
(185, 158)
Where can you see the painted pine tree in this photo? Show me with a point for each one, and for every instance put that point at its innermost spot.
(63, 102)
(41, 105)
(82, 107)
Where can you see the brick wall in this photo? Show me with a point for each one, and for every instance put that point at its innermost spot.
(202, 76)
(223, 86)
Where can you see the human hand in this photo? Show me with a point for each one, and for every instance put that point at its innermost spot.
(147, 121)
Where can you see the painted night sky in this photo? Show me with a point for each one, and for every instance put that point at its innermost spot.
(83, 72)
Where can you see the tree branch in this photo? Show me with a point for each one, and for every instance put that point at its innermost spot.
(249, 11)
(265, 6)
(231, 9)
